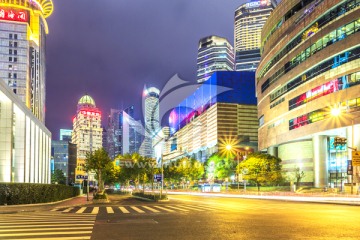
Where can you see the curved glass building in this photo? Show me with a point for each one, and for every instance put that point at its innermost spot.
(310, 70)
(23, 30)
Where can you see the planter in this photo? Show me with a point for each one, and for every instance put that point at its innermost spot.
(101, 201)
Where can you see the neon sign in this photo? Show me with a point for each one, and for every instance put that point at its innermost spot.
(14, 15)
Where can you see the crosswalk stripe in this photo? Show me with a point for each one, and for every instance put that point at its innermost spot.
(180, 209)
(43, 229)
(162, 208)
(57, 238)
(68, 210)
(109, 210)
(24, 222)
(193, 208)
(95, 210)
(151, 209)
(207, 207)
(48, 225)
(123, 210)
(81, 210)
(137, 209)
(43, 233)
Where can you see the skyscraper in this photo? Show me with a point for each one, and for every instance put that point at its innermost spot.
(87, 132)
(214, 54)
(249, 21)
(65, 135)
(23, 30)
(151, 119)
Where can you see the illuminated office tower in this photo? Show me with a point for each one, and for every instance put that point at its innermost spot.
(23, 30)
(87, 132)
(249, 20)
(151, 119)
(214, 54)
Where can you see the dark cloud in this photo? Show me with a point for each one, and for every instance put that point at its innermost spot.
(111, 48)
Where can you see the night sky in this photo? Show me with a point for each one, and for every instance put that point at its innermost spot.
(111, 48)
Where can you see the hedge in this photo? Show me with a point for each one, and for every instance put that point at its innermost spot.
(151, 196)
(28, 193)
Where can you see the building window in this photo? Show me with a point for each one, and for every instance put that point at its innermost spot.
(11, 44)
(10, 51)
(10, 36)
(10, 59)
(15, 52)
(15, 59)
(15, 44)
(15, 36)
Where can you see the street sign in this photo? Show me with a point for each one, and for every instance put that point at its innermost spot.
(157, 177)
(349, 168)
(356, 158)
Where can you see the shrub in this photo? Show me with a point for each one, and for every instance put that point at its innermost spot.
(28, 193)
(100, 196)
(152, 196)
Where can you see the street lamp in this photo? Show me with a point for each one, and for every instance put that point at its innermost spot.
(229, 148)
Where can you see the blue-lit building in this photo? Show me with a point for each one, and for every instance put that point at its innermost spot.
(221, 111)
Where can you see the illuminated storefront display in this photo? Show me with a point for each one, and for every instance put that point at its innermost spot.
(325, 89)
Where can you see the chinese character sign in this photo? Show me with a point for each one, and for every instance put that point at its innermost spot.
(14, 15)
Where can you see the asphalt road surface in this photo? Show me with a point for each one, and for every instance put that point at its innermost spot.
(186, 217)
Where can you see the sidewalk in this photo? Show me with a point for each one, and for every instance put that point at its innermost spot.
(79, 200)
(282, 196)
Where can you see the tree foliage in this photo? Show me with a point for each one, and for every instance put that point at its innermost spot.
(262, 169)
(219, 168)
(99, 162)
(58, 177)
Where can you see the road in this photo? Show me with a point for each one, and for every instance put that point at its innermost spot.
(186, 217)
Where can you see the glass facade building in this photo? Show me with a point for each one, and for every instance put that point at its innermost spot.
(23, 30)
(25, 142)
(214, 54)
(310, 65)
(249, 20)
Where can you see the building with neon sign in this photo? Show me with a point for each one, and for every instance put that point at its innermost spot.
(87, 133)
(221, 111)
(310, 65)
(23, 30)
(25, 142)
(249, 20)
(214, 54)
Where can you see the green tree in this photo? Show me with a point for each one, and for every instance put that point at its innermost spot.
(58, 177)
(261, 169)
(219, 168)
(298, 176)
(99, 162)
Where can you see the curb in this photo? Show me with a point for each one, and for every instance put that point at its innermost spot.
(145, 199)
(37, 204)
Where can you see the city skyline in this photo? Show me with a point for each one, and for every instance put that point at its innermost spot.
(75, 68)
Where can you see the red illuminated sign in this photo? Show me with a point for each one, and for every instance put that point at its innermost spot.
(14, 15)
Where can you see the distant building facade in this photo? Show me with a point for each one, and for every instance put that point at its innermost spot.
(65, 135)
(223, 110)
(249, 21)
(214, 54)
(151, 119)
(87, 133)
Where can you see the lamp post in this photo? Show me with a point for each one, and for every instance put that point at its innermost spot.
(229, 148)
(162, 175)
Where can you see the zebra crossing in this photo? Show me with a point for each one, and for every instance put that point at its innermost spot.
(136, 209)
(46, 225)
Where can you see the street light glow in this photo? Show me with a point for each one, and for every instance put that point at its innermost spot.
(228, 147)
(335, 112)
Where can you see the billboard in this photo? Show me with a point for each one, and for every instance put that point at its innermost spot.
(14, 15)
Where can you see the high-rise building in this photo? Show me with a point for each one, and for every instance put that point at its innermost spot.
(65, 135)
(60, 156)
(87, 132)
(23, 30)
(123, 133)
(308, 88)
(214, 54)
(210, 118)
(25, 142)
(151, 119)
(113, 134)
(249, 20)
